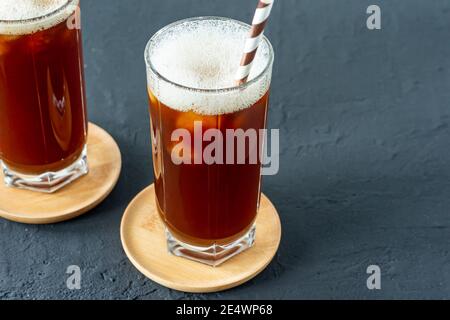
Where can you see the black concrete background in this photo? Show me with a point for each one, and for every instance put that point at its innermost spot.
(365, 167)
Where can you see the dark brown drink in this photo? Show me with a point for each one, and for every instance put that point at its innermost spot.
(43, 123)
(206, 204)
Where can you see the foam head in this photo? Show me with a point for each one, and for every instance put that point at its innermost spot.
(205, 54)
(19, 17)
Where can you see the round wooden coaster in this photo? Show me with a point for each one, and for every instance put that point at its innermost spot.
(143, 239)
(79, 197)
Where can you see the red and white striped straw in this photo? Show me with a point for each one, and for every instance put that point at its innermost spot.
(262, 14)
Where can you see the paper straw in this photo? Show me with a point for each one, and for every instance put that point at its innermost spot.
(262, 14)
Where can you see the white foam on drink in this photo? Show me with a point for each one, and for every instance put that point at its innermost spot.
(205, 54)
(16, 15)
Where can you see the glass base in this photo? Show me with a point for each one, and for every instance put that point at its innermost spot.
(48, 182)
(214, 255)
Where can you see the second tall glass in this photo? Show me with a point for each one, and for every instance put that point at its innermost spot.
(43, 122)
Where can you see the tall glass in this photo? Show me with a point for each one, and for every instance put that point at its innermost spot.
(209, 207)
(43, 123)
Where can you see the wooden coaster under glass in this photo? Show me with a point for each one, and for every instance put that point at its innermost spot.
(144, 241)
(78, 197)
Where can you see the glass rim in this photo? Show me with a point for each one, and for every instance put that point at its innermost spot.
(39, 18)
(240, 87)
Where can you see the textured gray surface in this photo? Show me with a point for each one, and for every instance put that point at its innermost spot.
(365, 168)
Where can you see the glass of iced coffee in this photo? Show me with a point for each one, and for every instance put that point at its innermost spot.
(204, 129)
(43, 123)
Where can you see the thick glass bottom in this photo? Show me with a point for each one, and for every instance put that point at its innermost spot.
(48, 182)
(213, 255)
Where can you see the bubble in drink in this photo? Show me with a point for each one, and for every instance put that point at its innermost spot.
(205, 55)
(20, 10)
